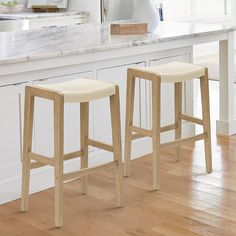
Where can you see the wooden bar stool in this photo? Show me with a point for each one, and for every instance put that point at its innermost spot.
(76, 91)
(177, 73)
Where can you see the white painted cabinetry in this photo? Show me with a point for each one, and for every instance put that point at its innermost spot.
(167, 96)
(167, 90)
(118, 76)
(10, 126)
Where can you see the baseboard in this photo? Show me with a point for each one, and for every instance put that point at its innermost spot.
(42, 179)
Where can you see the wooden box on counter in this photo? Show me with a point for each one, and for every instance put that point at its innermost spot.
(128, 28)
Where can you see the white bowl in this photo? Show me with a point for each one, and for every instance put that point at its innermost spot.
(11, 9)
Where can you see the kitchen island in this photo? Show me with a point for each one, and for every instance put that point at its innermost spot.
(57, 54)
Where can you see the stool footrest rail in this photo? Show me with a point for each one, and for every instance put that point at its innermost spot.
(89, 171)
(180, 142)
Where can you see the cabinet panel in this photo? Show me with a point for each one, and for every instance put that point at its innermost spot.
(10, 135)
(43, 123)
(116, 75)
(167, 92)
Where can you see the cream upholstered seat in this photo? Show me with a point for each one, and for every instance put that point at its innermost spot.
(81, 90)
(175, 71)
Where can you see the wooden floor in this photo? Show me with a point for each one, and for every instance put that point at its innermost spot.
(189, 203)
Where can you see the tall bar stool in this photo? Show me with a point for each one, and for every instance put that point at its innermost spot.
(75, 91)
(177, 73)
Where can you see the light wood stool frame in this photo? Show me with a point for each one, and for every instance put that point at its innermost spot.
(59, 156)
(132, 132)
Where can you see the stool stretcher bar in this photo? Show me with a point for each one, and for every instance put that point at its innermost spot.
(35, 165)
(73, 155)
(191, 119)
(89, 171)
(168, 128)
(141, 133)
(137, 136)
(180, 142)
(100, 145)
(44, 161)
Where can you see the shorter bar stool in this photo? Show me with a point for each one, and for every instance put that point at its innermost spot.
(75, 91)
(177, 73)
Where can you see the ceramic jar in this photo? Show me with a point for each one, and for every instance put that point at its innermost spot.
(145, 11)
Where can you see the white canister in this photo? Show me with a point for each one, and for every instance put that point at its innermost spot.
(145, 11)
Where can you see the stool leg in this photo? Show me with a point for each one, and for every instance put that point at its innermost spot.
(58, 155)
(116, 137)
(84, 129)
(156, 120)
(206, 120)
(178, 111)
(27, 146)
(129, 121)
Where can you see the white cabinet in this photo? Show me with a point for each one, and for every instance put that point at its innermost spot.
(142, 111)
(43, 123)
(167, 93)
(10, 126)
(116, 75)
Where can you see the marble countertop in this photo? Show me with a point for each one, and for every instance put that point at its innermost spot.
(33, 15)
(39, 44)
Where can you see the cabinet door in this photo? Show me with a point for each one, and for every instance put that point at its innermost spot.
(43, 123)
(116, 75)
(167, 92)
(10, 126)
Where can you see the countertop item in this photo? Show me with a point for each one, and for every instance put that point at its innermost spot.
(129, 28)
(145, 11)
(22, 46)
(33, 15)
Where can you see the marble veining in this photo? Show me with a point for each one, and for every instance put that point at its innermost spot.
(33, 15)
(23, 46)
